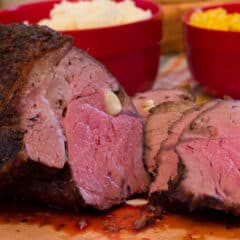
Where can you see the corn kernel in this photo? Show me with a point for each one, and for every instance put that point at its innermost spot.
(217, 19)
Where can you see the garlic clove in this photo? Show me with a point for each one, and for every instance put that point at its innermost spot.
(113, 105)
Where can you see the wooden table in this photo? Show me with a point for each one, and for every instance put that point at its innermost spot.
(119, 224)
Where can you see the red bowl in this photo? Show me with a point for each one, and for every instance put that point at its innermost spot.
(213, 55)
(130, 51)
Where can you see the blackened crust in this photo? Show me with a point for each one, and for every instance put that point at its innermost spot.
(47, 185)
(19, 46)
(10, 143)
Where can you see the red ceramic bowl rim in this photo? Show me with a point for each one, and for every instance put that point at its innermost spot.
(156, 15)
(186, 16)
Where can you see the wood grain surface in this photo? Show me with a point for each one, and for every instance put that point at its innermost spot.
(119, 224)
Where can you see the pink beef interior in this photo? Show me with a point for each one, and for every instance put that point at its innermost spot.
(53, 82)
(206, 153)
(40, 106)
(156, 130)
(217, 173)
(104, 154)
(213, 142)
(167, 158)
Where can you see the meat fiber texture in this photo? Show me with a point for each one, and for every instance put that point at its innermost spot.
(59, 144)
(204, 159)
(156, 129)
(159, 109)
(167, 159)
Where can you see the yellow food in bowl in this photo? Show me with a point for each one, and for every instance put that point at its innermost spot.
(217, 18)
(94, 13)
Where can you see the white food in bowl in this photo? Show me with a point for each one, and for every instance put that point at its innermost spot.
(93, 14)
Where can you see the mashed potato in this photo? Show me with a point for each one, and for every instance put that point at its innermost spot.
(92, 14)
(217, 19)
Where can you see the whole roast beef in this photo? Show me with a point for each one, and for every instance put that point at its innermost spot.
(207, 161)
(69, 135)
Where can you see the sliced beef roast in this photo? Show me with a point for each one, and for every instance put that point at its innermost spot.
(167, 159)
(69, 135)
(144, 102)
(208, 162)
(156, 128)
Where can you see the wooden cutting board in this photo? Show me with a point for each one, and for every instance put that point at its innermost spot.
(123, 223)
